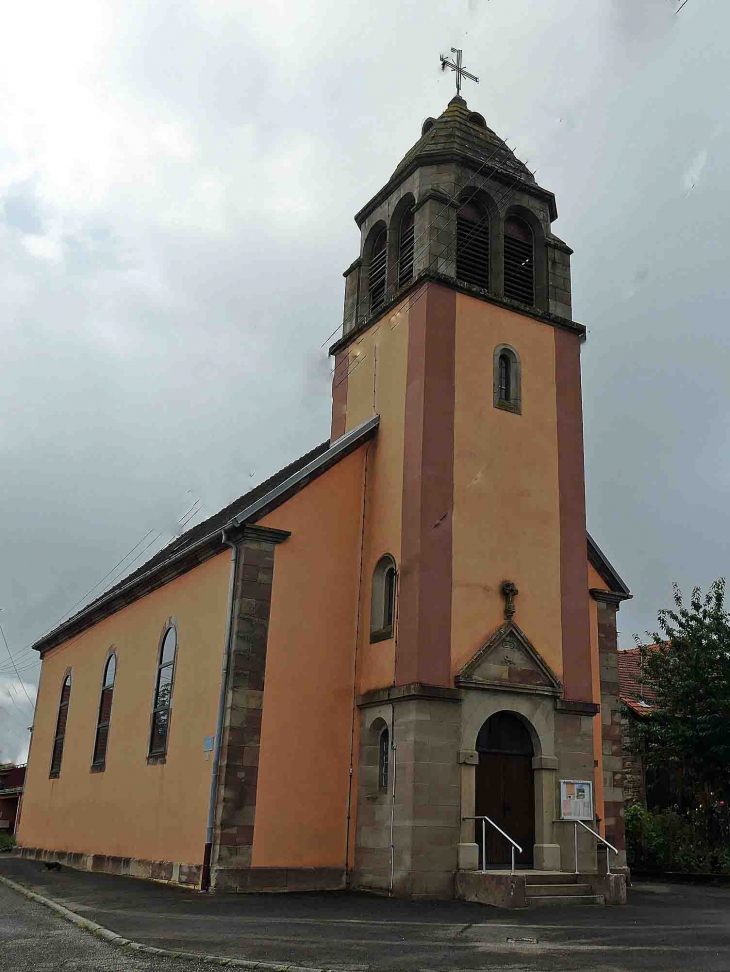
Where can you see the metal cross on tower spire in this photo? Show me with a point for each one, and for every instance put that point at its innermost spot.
(456, 66)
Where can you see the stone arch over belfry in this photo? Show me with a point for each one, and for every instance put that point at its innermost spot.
(537, 713)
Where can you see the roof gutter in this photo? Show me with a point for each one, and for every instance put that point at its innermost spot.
(339, 448)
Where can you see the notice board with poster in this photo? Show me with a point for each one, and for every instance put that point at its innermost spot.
(576, 800)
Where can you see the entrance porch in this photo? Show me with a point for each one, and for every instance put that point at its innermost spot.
(538, 889)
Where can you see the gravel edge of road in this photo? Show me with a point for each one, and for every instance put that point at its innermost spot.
(109, 936)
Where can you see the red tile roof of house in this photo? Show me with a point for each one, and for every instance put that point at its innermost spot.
(636, 696)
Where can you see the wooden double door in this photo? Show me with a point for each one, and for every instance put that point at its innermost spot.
(505, 792)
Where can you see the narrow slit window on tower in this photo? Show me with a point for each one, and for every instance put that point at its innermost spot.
(519, 261)
(383, 759)
(504, 378)
(163, 694)
(60, 735)
(507, 379)
(378, 270)
(472, 245)
(405, 248)
(383, 600)
(105, 712)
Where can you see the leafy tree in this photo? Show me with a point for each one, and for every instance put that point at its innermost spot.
(688, 668)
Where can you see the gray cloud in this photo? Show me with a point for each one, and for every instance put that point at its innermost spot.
(177, 186)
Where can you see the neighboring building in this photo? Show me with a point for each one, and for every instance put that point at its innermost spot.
(413, 626)
(649, 787)
(12, 778)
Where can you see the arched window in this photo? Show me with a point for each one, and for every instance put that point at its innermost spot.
(382, 605)
(507, 379)
(378, 270)
(383, 757)
(504, 377)
(472, 244)
(519, 261)
(405, 248)
(105, 712)
(60, 735)
(163, 694)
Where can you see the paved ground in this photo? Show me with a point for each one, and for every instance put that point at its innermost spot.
(34, 939)
(665, 928)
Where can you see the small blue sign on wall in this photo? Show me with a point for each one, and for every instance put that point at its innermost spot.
(208, 744)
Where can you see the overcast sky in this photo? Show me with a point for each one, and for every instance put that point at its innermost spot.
(177, 186)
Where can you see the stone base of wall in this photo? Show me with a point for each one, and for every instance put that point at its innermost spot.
(251, 879)
(255, 879)
(166, 872)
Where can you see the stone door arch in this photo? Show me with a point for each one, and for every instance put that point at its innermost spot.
(504, 791)
(536, 713)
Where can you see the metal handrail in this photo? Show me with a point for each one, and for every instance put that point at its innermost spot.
(597, 836)
(485, 820)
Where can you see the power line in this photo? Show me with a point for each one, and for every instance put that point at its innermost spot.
(28, 665)
(92, 589)
(498, 203)
(22, 684)
(680, 6)
(502, 200)
(417, 253)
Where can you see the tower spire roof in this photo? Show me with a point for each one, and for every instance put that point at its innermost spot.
(462, 136)
(462, 133)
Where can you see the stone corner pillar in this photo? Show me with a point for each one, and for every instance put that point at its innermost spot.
(468, 849)
(546, 853)
(613, 794)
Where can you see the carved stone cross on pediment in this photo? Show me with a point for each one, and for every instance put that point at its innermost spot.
(509, 593)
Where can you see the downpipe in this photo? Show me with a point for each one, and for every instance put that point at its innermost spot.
(217, 746)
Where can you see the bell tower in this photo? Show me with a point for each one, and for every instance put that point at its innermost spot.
(458, 332)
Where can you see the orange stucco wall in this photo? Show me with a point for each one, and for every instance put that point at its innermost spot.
(152, 812)
(596, 581)
(506, 500)
(378, 385)
(307, 724)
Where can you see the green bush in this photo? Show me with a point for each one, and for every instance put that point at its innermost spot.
(694, 842)
(6, 841)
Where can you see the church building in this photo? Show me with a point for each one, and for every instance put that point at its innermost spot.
(393, 665)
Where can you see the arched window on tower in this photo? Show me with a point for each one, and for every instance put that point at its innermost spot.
(519, 261)
(105, 713)
(405, 248)
(472, 244)
(507, 379)
(382, 604)
(504, 377)
(378, 270)
(60, 735)
(383, 759)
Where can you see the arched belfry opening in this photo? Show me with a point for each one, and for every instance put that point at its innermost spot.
(472, 244)
(505, 790)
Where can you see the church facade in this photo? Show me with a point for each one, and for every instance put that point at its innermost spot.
(335, 680)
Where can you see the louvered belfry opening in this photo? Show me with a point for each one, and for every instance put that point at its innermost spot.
(378, 270)
(519, 261)
(57, 754)
(405, 248)
(472, 245)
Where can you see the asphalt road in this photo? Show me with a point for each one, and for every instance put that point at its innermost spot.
(665, 928)
(34, 939)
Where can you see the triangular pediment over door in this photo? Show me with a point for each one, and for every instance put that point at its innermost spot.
(508, 660)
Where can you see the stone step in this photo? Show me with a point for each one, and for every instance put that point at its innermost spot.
(545, 901)
(552, 878)
(557, 890)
